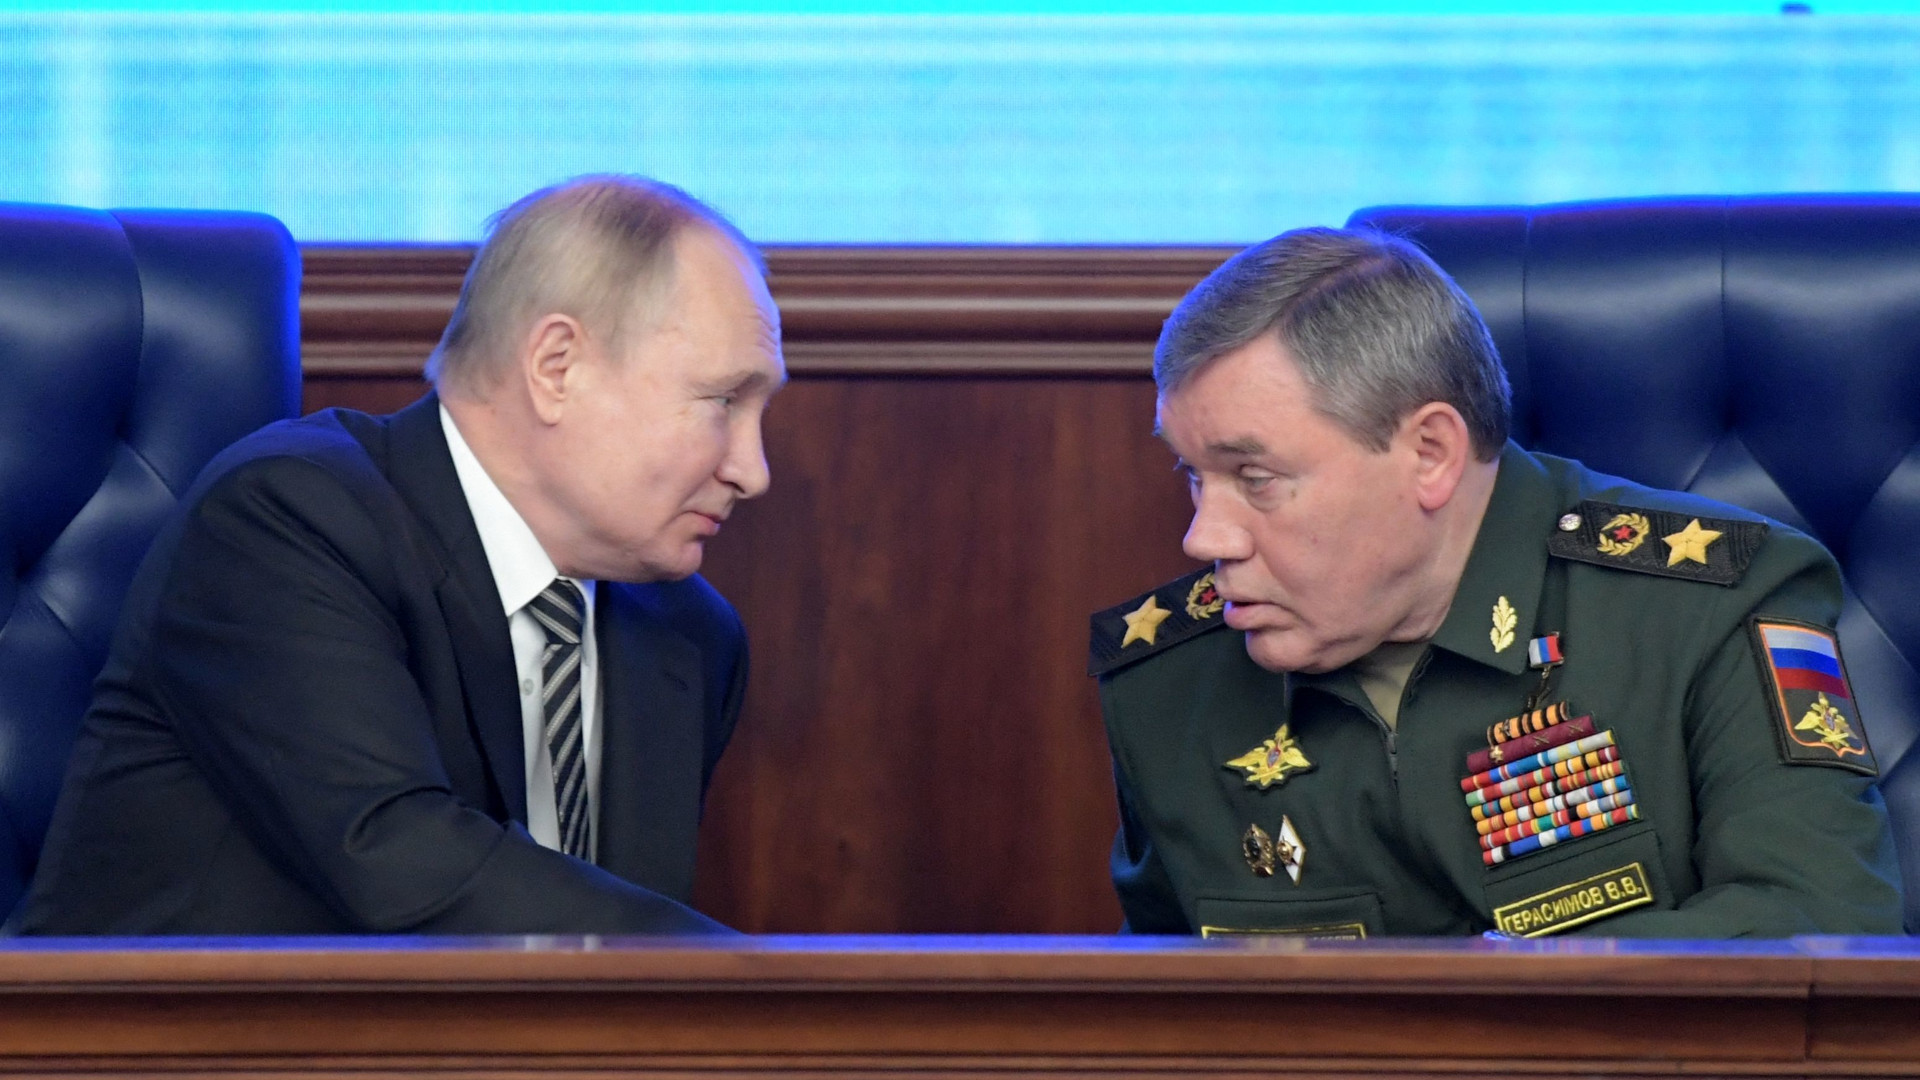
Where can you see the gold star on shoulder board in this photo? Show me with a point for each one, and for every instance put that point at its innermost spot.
(1690, 544)
(1143, 622)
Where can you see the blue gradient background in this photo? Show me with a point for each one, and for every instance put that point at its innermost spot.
(964, 126)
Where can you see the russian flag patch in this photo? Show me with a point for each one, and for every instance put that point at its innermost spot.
(1817, 721)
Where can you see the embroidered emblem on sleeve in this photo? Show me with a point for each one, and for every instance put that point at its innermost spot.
(1805, 682)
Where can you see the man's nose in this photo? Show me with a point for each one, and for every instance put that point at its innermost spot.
(1213, 536)
(745, 466)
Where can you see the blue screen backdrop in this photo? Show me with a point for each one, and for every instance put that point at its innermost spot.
(962, 126)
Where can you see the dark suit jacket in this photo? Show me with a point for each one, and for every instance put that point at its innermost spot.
(308, 722)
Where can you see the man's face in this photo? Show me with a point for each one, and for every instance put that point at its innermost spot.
(658, 445)
(1318, 542)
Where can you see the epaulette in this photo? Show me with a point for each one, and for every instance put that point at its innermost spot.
(1151, 622)
(1664, 542)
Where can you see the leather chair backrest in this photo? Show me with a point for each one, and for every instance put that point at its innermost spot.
(1764, 351)
(134, 345)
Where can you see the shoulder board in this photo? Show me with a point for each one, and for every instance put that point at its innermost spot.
(1151, 622)
(1664, 542)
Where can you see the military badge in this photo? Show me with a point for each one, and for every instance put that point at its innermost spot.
(1623, 534)
(1264, 852)
(1288, 851)
(1256, 846)
(1504, 620)
(1203, 600)
(1143, 622)
(1690, 544)
(1817, 722)
(1147, 625)
(1272, 761)
(1692, 547)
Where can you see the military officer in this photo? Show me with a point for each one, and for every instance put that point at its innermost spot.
(1435, 684)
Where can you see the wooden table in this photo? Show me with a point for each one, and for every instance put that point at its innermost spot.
(935, 1007)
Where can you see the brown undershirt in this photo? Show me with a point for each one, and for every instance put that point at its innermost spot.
(1383, 674)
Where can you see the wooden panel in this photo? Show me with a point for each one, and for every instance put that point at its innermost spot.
(379, 310)
(921, 749)
(959, 480)
(1866, 1006)
(929, 1007)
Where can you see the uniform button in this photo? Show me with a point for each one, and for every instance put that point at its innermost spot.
(526, 686)
(1569, 522)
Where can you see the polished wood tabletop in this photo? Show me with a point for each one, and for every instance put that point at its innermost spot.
(957, 1006)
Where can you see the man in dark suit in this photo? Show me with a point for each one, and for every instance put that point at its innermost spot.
(449, 670)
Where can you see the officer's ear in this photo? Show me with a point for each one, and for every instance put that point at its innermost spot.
(1436, 436)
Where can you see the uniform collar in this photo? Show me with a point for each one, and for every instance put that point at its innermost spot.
(1508, 563)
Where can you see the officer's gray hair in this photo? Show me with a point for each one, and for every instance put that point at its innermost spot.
(1377, 329)
(597, 248)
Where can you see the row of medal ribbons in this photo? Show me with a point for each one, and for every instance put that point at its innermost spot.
(1557, 780)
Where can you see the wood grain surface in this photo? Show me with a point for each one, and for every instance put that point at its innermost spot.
(931, 1007)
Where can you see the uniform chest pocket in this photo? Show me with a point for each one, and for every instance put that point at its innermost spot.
(1589, 880)
(1340, 914)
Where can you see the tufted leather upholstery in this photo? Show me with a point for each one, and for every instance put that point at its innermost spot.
(134, 345)
(1763, 351)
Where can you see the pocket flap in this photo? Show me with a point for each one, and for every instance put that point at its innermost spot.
(1320, 913)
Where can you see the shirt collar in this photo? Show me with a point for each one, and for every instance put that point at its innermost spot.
(521, 568)
(1497, 602)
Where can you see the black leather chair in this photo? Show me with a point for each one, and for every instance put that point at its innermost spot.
(1764, 351)
(134, 345)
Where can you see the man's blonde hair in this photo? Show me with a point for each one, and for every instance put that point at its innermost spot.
(597, 248)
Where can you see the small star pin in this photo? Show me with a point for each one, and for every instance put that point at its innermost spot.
(1143, 622)
(1690, 543)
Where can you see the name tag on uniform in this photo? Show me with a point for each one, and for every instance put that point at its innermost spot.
(1570, 905)
(1330, 932)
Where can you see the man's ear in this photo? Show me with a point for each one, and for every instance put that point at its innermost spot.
(555, 346)
(1441, 446)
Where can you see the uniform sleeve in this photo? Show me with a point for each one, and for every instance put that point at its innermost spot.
(1147, 897)
(1780, 848)
(281, 657)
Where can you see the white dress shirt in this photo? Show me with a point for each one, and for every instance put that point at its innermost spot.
(521, 570)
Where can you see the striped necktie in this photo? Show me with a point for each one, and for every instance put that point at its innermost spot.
(561, 611)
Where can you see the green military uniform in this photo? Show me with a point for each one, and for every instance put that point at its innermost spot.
(1751, 805)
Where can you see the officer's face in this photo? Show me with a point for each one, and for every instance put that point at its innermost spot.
(1318, 542)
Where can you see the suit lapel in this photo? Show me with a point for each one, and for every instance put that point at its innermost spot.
(650, 744)
(422, 469)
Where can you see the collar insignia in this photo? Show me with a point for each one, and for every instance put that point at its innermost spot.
(1504, 621)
